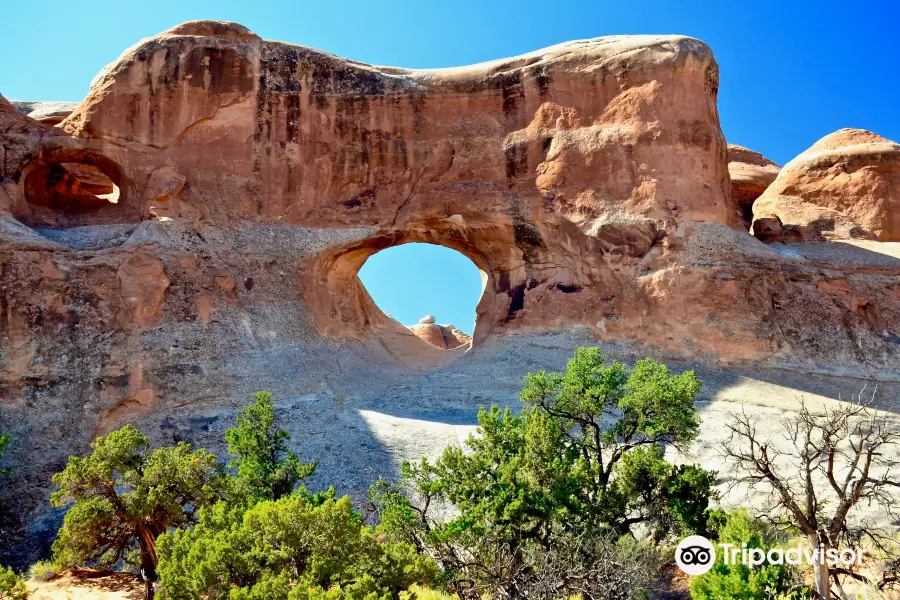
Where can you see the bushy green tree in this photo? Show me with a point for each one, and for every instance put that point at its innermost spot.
(265, 469)
(12, 585)
(297, 547)
(738, 581)
(124, 496)
(584, 458)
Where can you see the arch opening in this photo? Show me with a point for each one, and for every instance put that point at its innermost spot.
(342, 308)
(430, 289)
(73, 184)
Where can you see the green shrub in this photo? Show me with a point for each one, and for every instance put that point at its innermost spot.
(580, 466)
(297, 547)
(12, 585)
(265, 469)
(417, 592)
(739, 581)
(43, 570)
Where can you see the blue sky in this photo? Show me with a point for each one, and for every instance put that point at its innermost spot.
(791, 72)
(413, 280)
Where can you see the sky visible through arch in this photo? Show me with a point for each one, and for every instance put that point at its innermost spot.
(791, 72)
(412, 280)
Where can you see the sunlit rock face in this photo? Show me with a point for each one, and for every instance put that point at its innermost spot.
(536, 167)
(447, 337)
(48, 113)
(251, 180)
(846, 186)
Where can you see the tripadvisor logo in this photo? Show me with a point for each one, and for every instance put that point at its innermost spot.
(695, 555)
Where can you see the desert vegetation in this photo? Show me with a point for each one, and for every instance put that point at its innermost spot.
(572, 496)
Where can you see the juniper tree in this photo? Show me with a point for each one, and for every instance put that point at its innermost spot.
(584, 458)
(264, 468)
(124, 495)
(298, 547)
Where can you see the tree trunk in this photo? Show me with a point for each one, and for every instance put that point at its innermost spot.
(149, 560)
(820, 569)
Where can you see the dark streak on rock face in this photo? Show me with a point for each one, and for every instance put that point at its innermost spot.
(517, 160)
(517, 301)
(261, 130)
(516, 296)
(542, 78)
(367, 198)
(513, 95)
(218, 70)
(568, 289)
(329, 77)
(546, 141)
(292, 105)
(527, 236)
(417, 103)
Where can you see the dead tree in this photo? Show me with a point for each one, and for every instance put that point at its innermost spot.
(829, 463)
(593, 567)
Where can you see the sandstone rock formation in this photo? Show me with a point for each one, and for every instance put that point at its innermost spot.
(48, 113)
(446, 337)
(587, 181)
(846, 186)
(751, 173)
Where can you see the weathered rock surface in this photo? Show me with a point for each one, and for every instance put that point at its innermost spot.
(48, 113)
(588, 182)
(446, 337)
(751, 173)
(846, 186)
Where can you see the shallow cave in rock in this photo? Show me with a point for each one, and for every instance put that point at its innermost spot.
(70, 186)
(430, 289)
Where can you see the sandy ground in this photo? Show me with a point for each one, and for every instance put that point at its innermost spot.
(88, 584)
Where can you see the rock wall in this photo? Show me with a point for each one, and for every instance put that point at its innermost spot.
(751, 173)
(588, 182)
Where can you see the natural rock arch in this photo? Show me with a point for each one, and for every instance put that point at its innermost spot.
(342, 307)
(412, 282)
